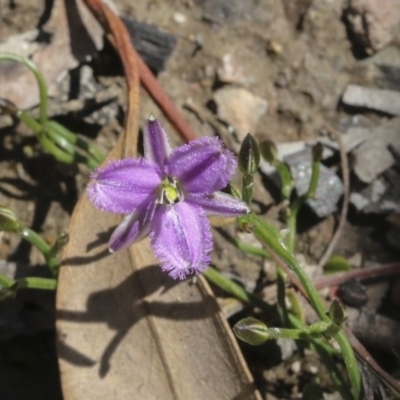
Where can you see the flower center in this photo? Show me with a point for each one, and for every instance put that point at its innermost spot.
(170, 191)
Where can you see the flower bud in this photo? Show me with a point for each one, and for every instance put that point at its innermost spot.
(337, 312)
(249, 155)
(317, 151)
(269, 151)
(60, 242)
(251, 331)
(8, 220)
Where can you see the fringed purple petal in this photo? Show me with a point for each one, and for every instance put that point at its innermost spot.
(156, 144)
(181, 239)
(202, 166)
(219, 204)
(133, 228)
(123, 185)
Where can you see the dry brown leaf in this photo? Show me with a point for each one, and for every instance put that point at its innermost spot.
(128, 331)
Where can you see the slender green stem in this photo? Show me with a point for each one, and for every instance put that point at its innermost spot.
(286, 179)
(321, 346)
(37, 283)
(76, 140)
(33, 238)
(292, 227)
(237, 291)
(39, 78)
(270, 237)
(55, 144)
(281, 297)
(68, 150)
(53, 149)
(327, 354)
(247, 189)
(298, 202)
(6, 282)
(246, 248)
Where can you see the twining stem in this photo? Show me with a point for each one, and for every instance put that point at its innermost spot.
(33, 238)
(236, 290)
(286, 179)
(281, 297)
(270, 238)
(243, 246)
(247, 188)
(321, 346)
(316, 330)
(36, 283)
(39, 78)
(64, 150)
(6, 282)
(60, 131)
(298, 202)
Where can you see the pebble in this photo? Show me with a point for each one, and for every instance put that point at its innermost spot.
(230, 71)
(387, 101)
(296, 367)
(179, 18)
(373, 23)
(241, 109)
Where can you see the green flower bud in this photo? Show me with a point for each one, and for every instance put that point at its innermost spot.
(337, 312)
(269, 151)
(317, 151)
(249, 156)
(251, 331)
(60, 242)
(8, 220)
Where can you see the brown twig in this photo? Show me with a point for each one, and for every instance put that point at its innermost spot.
(111, 23)
(119, 37)
(346, 196)
(361, 273)
(164, 102)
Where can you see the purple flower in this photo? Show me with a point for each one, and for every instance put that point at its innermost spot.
(168, 194)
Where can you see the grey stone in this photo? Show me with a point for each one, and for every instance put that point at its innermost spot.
(241, 109)
(329, 189)
(373, 23)
(387, 101)
(372, 157)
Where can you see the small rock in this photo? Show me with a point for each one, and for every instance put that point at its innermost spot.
(373, 23)
(249, 239)
(230, 71)
(291, 148)
(387, 101)
(282, 79)
(332, 396)
(269, 268)
(179, 18)
(353, 293)
(313, 369)
(329, 189)
(241, 109)
(296, 367)
(372, 157)
(287, 347)
(355, 260)
(274, 47)
(381, 196)
(382, 69)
